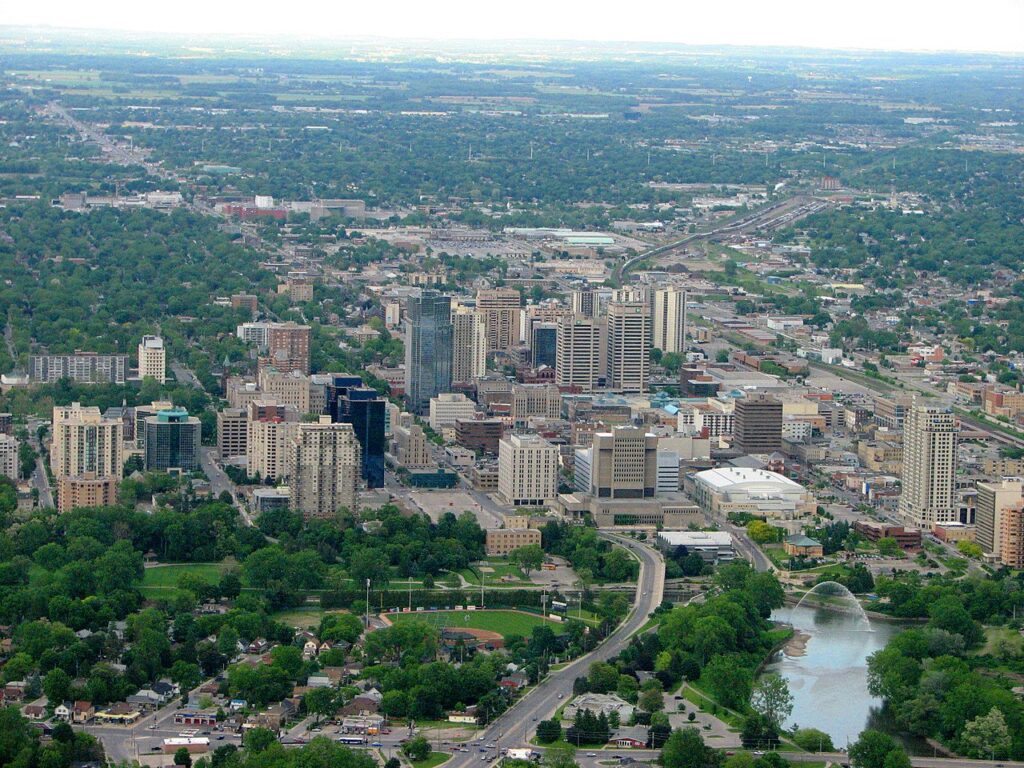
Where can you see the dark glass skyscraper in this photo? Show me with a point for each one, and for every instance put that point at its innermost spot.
(544, 344)
(428, 350)
(349, 402)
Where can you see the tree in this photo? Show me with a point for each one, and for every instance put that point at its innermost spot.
(57, 686)
(813, 740)
(259, 739)
(898, 758)
(320, 702)
(602, 677)
(771, 698)
(528, 558)
(183, 758)
(186, 674)
(871, 749)
(888, 546)
(728, 681)
(651, 700)
(762, 532)
(549, 731)
(560, 756)
(685, 749)
(416, 749)
(986, 736)
(969, 548)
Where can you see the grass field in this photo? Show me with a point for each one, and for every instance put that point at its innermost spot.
(499, 569)
(166, 576)
(998, 635)
(503, 622)
(432, 761)
(303, 618)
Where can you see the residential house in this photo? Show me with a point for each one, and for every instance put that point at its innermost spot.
(630, 737)
(35, 711)
(62, 712)
(83, 711)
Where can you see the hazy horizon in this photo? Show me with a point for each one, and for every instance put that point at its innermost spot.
(987, 26)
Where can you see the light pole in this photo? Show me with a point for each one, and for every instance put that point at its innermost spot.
(367, 604)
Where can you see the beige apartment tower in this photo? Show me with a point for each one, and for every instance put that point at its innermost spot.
(323, 469)
(469, 346)
(629, 346)
(88, 490)
(288, 347)
(232, 432)
(271, 425)
(669, 320)
(152, 359)
(929, 467)
(84, 442)
(500, 309)
(993, 501)
(580, 341)
(527, 470)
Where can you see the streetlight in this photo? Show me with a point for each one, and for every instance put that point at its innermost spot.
(367, 604)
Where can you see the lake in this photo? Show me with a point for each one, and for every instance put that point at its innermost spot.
(828, 676)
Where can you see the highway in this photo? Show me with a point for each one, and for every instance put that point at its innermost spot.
(514, 728)
(602, 756)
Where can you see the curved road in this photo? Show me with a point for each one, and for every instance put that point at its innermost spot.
(514, 728)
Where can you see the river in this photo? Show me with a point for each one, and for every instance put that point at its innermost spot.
(828, 676)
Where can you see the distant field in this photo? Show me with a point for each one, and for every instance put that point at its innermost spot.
(504, 623)
(432, 761)
(166, 576)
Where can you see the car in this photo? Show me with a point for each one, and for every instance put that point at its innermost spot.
(484, 758)
(220, 738)
(376, 744)
(155, 748)
(559, 695)
(759, 752)
(591, 754)
(535, 719)
(152, 727)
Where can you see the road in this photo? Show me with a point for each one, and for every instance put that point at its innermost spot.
(513, 728)
(602, 756)
(784, 211)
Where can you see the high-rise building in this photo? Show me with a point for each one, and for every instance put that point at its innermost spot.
(621, 464)
(669, 320)
(411, 449)
(152, 359)
(349, 402)
(757, 425)
(586, 303)
(9, 456)
(929, 467)
(289, 387)
(629, 345)
(543, 400)
(254, 333)
(88, 490)
(428, 349)
(991, 504)
(81, 367)
(469, 345)
(288, 347)
(449, 407)
(143, 412)
(527, 470)
(544, 344)
(323, 469)
(500, 310)
(232, 432)
(578, 363)
(1011, 538)
(85, 442)
(172, 441)
(271, 426)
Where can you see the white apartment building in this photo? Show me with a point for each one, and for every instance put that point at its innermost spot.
(447, 408)
(929, 467)
(152, 359)
(527, 470)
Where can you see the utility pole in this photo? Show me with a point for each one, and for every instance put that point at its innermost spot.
(367, 604)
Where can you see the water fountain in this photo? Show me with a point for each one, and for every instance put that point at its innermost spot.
(846, 600)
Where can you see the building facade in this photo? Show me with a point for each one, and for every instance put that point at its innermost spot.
(88, 490)
(629, 345)
(271, 426)
(500, 310)
(500, 541)
(469, 345)
(81, 367)
(578, 364)
(323, 468)
(84, 442)
(527, 470)
(929, 468)
(757, 426)
(152, 359)
(669, 320)
(991, 505)
(173, 439)
(232, 432)
(428, 350)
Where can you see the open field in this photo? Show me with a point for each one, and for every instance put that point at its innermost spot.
(505, 623)
(432, 761)
(166, 576)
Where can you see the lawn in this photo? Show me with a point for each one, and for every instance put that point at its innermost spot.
(434, 760)
(997, 635)
(505, 623)
(499, 569)
(166, 576)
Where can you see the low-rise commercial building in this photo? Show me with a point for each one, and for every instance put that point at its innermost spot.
(712, 546)
(725, 490)
(501, 541)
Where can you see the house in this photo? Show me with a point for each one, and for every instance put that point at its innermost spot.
(259, 645)
(83, 711)
(799, 545)
(318, 681)
(360, 705)
(166, 689)
(34, 711)
(237, 704)
(14, 691)
(468, 717)
(631, 737)
(334, 674)
(146, 698)
(515, 681)
(121, 713)
(309, 649)
(62, 712)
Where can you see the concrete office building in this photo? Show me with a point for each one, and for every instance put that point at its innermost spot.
(528, 400)
(500, 541)
(84, 442)
(232, 433)
(256, 334)
(88, 490)
(629, 346)
(271, 426)
(449, 407)
(287, 387)
(9, 456)
(428, 350)
(991, 504)
(585, 303)
(500, 310)
(757, 425)
(410, 447)
(288, 347)
(621, 464)
(81, 367)
(152, 359)
(323, 469)
(669, 320)
(713, 546)
(469, 345)
(579, 353)
(929, 468)
(668, 472)
(527, 470)
(172, 441)
(479, 435)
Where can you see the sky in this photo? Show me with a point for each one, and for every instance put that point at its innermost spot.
(906, 25)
